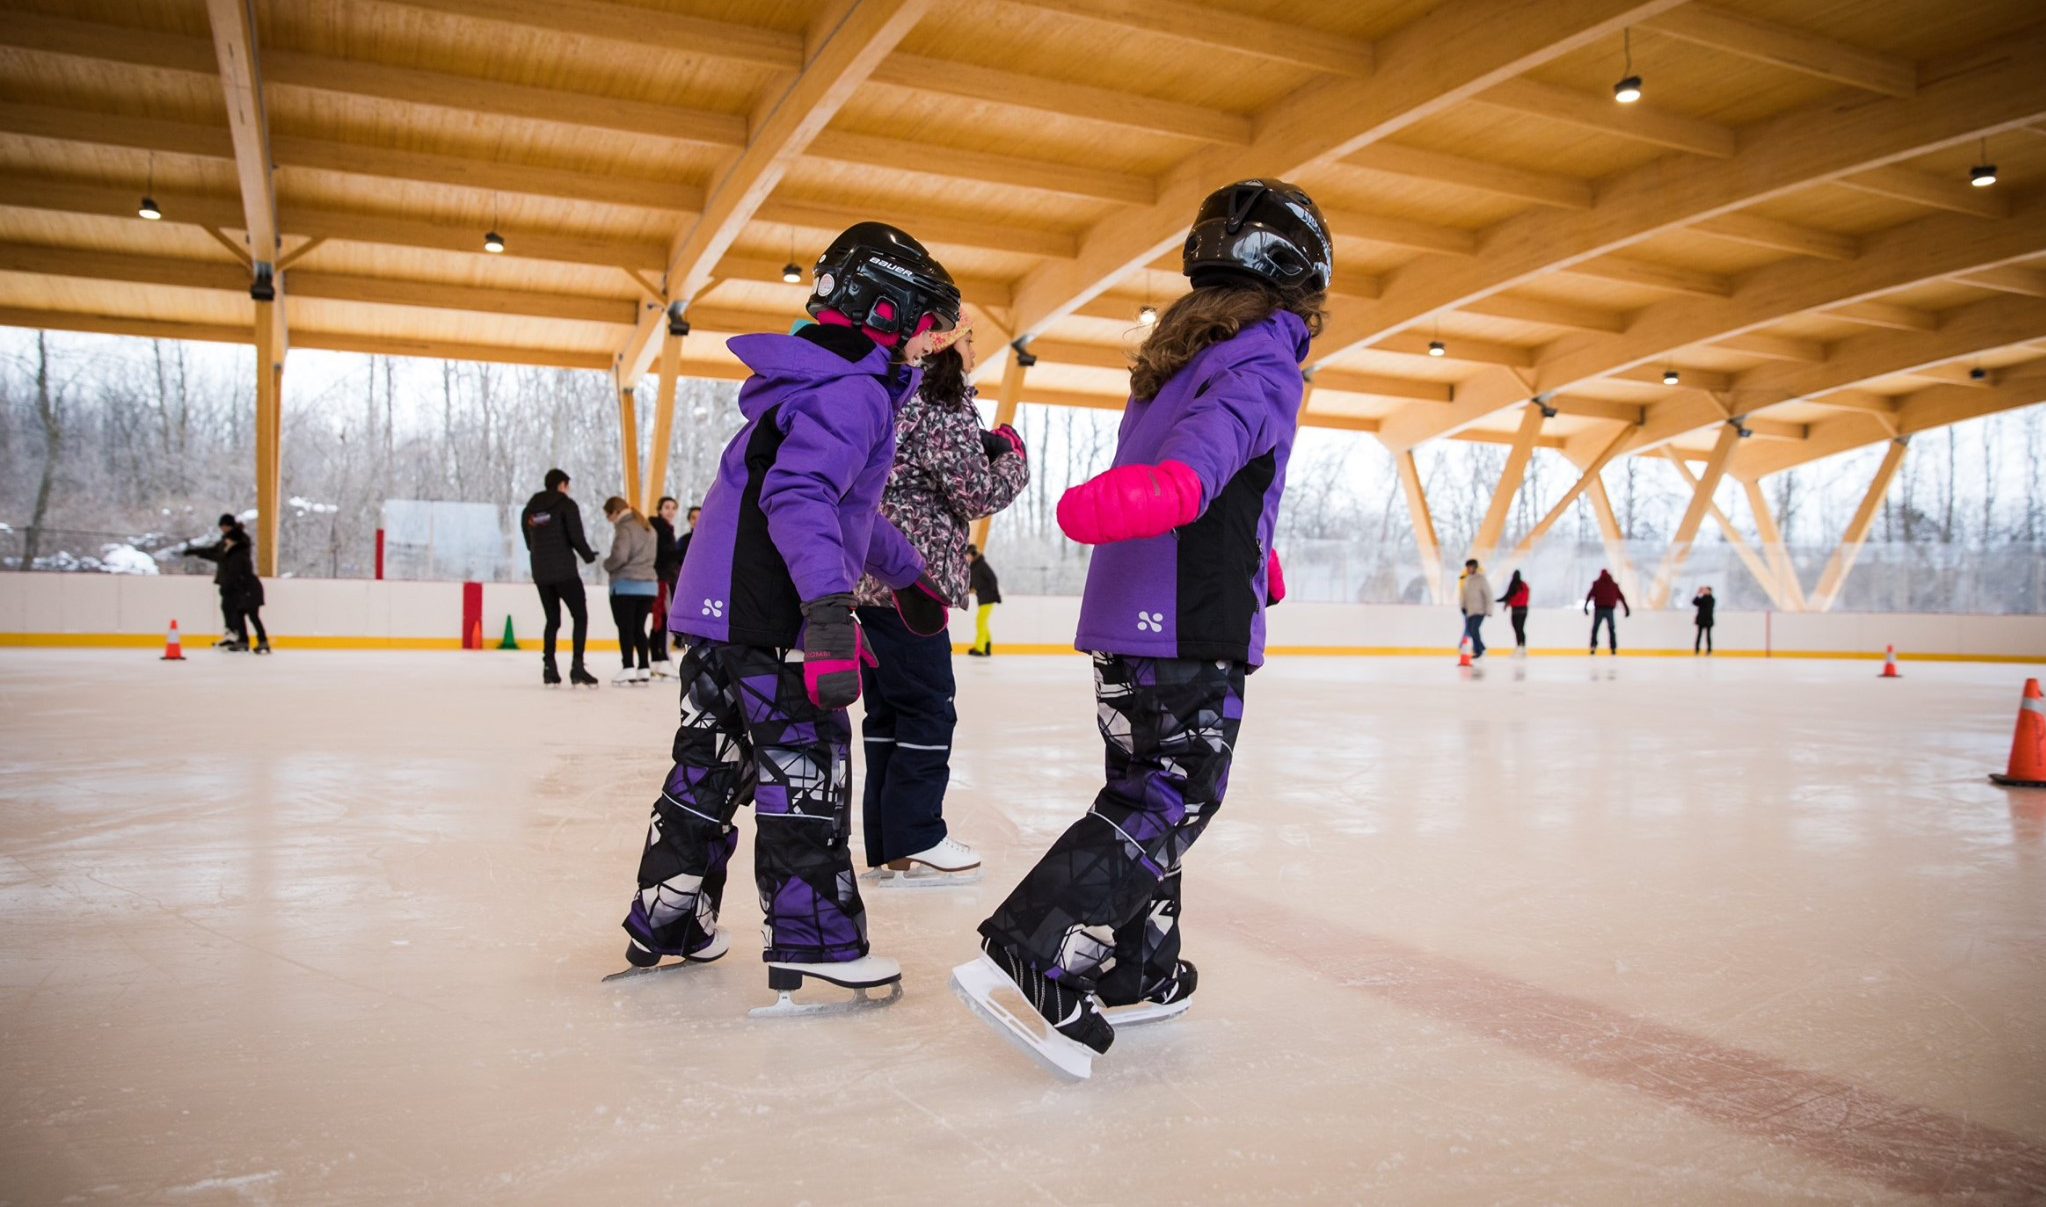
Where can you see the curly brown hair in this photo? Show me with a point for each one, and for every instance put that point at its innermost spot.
(944, 378)
(1209, 316)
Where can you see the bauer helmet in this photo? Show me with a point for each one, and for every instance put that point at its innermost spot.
(881, 279)
(1267, 230)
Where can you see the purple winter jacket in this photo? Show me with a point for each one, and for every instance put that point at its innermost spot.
(795, 511)
(1199, 590)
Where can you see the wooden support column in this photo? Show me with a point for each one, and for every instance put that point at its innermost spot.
(1005, 412)
(1837, 567)
(628, 436)
(1424, 522)
(1494, 524)
(1694, 517)
(1774, 549)
(270, 349)
(1615, 541)
(1584, 481)
(1763, 575)
(664, 421)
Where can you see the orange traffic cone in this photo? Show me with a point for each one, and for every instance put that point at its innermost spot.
(173, 650)
(1463, 652)
(1889, 663)
(2028, 744)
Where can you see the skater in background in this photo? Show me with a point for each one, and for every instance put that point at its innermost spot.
(947, 474)
(1704, 602)
(1515, 600)
(1475, 596)
(241, 591)
(987, 592)
(630, 564)
(682, 545)
(553, 528)
(1173, 614)
(667, 560)
(1604, 596)
(764, 605)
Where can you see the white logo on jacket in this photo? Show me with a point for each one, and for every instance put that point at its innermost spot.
(714, 607)
(1152, 622)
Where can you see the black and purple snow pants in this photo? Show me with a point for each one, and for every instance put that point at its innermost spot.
(1100, 911)
(749, 733)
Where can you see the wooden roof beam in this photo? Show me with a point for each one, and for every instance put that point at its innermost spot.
(1778, 156)
(633, 25)
(1399, 232)
(241, 80)
(961, 232)
(1040, 94)
(1773, 347)
(1654, 276)
(2011, 278)
(1542, 188)
(1904, 184)
(1780, 236)
(1322, 122)
(1928, 249)
(843, 50)
(1217, 29)
(1919, 411)
(1591, 111)
(1458, 348)
(1009, 171)
(1549, 313)
(1783, 46)
(1885, 314)
(978, 291)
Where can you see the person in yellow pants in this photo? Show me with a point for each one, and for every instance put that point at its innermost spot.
(987, 592)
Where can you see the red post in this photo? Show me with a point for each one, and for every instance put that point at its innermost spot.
(472, 616)
(380, 555)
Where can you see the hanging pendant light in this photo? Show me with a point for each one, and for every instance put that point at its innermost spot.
(149, 208)
(1628, 90)
(1983, 174)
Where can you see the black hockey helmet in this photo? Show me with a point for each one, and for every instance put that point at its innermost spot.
(1263, 229)
(880, 278)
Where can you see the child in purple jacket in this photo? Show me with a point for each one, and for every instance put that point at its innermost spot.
(764, 603)
(1174, 617)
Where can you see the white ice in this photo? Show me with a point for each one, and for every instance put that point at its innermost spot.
(328, 927)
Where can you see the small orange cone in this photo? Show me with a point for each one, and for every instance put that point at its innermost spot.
(2028, 744)
(1463, 652)
(1890, 663)
(173, 649)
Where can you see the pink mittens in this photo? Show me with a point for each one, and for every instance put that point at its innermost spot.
(1131, 502)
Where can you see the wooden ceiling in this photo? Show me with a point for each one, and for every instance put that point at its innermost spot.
(1784, 219)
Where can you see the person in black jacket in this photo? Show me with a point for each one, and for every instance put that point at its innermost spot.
(667, 563)
(553, 528)
(241, 592)
(1704, 602)
(987, 592)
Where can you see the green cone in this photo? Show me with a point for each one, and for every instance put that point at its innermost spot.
(510, 642)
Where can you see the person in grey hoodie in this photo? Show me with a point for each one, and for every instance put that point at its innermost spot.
(633, 586)
(1476, 598)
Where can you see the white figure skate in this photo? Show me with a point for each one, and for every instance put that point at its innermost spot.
(867, 972)
(948, 865)
(624, 677)
(719, 944)
(989, 993)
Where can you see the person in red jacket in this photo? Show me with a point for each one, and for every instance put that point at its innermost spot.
(1516, 601)
(1604, 595)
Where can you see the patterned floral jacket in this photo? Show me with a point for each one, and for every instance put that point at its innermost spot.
(942, 481)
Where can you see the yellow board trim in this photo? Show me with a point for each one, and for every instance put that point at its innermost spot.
(202, 641)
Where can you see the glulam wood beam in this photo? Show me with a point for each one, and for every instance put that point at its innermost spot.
(1591, 111)
(1787, 47)
(1133, 111)
(1219, 29)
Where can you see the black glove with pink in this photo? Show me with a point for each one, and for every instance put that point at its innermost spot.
(833, 648)
(1002, 441)
(922, 607)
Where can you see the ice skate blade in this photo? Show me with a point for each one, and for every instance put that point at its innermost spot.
(889, 878)
(786, 1006)
(994, 998)
(677, 966)
(1145, 1012)
(710, 953)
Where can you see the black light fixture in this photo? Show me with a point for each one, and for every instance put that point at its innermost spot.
(1669, 377)
(1978, 373)
(792, 272)
(1436, 348)
(492, 241)
(1983, 174)
(149, 209)
(1024, 356)
(1628, 90)
(1147, 314)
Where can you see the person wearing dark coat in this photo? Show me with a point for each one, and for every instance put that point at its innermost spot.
(553, 528)
(241, 592)
(1705, 602)
(1604, 596)
(667, 564)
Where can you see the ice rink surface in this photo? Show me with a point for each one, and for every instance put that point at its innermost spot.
(328, 928)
